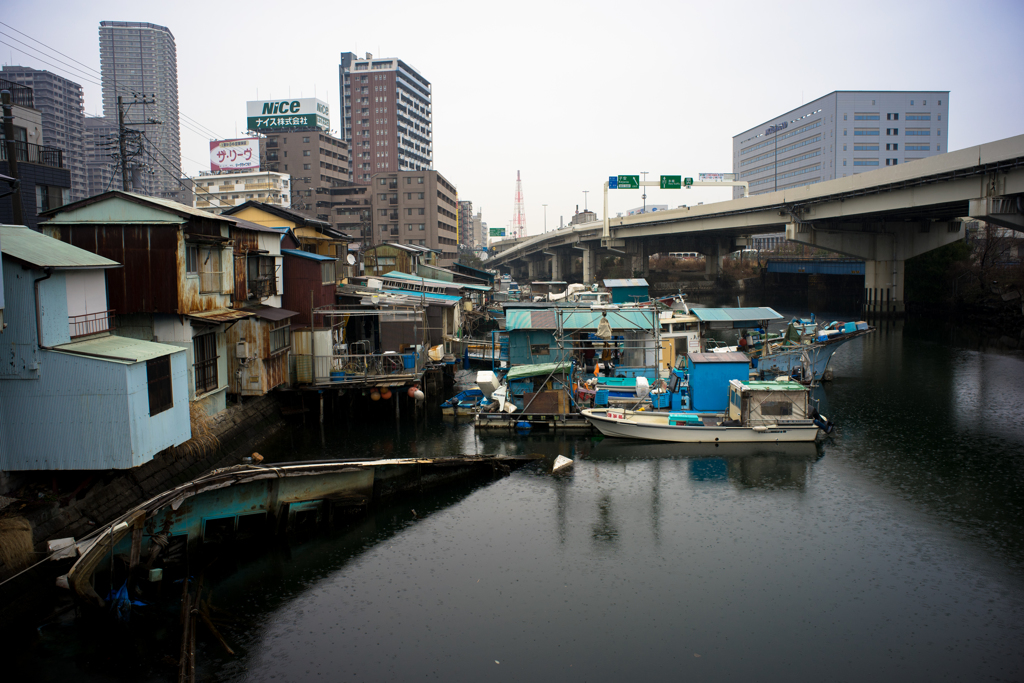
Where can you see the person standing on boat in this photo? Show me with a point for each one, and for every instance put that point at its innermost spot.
(743, 343)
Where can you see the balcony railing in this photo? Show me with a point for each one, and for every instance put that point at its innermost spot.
(383, 368)
(21, 95)
(91, 323)
(29, 153)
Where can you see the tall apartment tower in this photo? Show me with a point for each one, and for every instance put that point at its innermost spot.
(61, 103)
(387, 117)
(139, 62)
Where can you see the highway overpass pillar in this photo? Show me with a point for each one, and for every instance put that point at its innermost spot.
(639, 261)
(534, 269)
(589, 265)
(714, 255)
(559, 271)
(885, 247)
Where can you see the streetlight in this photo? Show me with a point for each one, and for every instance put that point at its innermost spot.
(546, 216)
(644, 174)
(585, 192)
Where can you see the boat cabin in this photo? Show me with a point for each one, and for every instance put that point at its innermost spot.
(768, 403)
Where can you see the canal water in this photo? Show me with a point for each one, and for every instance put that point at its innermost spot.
(891, 551)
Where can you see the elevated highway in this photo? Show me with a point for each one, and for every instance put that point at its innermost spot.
(883, 217)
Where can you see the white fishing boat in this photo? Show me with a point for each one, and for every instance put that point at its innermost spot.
(759, 412)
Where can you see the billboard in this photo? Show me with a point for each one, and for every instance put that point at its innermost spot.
(306, 112)
(241, 154)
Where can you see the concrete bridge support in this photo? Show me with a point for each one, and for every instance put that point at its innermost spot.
(536, 268)
(638, 254)
(589, 264)
(715, 251)
(885, 247)
(561, 263)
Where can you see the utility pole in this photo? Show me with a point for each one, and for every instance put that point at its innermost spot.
(122, 145)
(12, 158)
(122, 135)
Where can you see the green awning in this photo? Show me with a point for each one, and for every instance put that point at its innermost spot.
(538, 369)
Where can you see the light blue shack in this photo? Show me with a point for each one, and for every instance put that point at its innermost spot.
(629, 290)
(73, 396)
(550, 334)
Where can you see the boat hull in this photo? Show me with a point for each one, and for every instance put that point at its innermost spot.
(656, 428)
(786, 361)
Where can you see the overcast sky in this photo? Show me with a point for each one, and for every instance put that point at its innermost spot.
(568, 93)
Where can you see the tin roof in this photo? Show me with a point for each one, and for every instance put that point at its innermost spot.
(727, 357)
(281, 212)
(398, 275)
(249, 225)
(425, 295)
(627, 282)
(579, 319)
(180, 210)
(41, 251)
(784, 385)
(307, 254)
(270, 313)
(115, 349)
(537, 369)
(749, 316)
(220, 315)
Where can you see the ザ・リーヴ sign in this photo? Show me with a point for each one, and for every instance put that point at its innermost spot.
(235, 155)
(307, 112)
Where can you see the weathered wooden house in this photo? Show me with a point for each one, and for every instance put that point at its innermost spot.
(314, 236)
(259, 345)
(73, 396)
(404, 258)
(177, 284)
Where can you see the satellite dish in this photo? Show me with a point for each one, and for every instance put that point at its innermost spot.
(351, 259)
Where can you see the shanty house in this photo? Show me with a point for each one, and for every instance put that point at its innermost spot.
(258, 345)
(391, 256)
(314, 236)
(73, 396)
(177, 282)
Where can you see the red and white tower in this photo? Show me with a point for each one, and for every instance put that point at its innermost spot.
(519, 212)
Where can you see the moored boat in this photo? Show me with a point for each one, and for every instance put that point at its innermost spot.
(759, 412)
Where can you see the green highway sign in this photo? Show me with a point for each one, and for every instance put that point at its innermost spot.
(629, 182)
(687, 182)
(671, 182)
(497, 232)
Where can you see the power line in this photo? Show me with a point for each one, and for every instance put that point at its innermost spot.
(194, 126)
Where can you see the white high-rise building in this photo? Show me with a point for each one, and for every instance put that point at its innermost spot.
(139, 62)
(842, 133)
(387, 117)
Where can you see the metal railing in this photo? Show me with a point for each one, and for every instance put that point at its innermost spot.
(29, 153)
(91, 323)
(21, 95)
(377, 368)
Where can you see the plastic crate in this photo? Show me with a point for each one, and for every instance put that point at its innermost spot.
(661, 400)
(601, 397)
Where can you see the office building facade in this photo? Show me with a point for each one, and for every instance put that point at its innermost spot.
(387, 116)
(840, 134)
(61, 104)
(139, 63)
(416, 207)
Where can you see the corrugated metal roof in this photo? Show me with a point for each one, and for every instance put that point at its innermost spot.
(425, 295)
(41, 251)
(271, 313)
(399, 275)
(115, 349)
(736, 315)
(249, 225)
(727, 357)
(587, 319)
(307, 254)
(220, 315)
(627, 282)
(537, 369)
(175, 207)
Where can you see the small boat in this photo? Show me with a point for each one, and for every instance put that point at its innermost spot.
(759, 412)
(464, 403)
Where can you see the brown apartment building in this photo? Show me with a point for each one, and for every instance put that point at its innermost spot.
(316, 162)
(416, 207)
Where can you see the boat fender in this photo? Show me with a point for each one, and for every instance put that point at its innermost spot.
(523, 426)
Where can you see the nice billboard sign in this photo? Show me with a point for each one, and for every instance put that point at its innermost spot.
(235, 155)
(307, 112)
